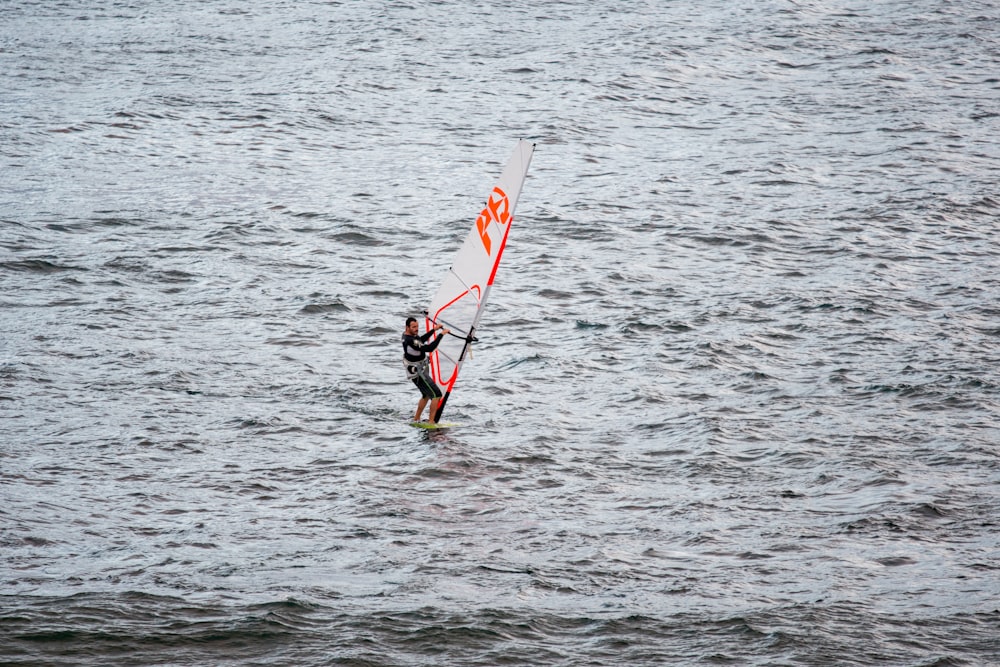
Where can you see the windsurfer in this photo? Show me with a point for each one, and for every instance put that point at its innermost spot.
(415, 351)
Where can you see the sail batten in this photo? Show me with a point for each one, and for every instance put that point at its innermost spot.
(463, 293)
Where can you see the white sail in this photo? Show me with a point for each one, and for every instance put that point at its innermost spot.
(460, 300)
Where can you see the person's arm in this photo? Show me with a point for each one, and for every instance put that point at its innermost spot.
(424, 338)
(430, 347)
(437, 341)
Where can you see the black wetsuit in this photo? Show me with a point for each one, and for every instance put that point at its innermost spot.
(415, 351)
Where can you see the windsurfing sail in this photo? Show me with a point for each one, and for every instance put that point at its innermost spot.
(460, 300)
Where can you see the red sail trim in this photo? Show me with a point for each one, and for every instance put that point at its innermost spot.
(437, 319)
(503, 244)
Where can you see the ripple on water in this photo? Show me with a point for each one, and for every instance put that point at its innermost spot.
(735, 380)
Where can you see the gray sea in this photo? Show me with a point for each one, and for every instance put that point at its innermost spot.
(735, 400)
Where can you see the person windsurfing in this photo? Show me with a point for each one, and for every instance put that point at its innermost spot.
(415, 351)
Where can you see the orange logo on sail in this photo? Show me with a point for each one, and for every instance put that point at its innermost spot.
(497, 210)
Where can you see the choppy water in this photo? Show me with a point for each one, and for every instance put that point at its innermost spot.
(736, 399)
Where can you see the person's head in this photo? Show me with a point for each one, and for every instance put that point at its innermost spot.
(412, 327)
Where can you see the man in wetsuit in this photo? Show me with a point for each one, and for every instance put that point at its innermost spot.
(415, 351)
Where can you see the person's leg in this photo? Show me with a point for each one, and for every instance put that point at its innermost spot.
(431, 393)
(420, 409)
